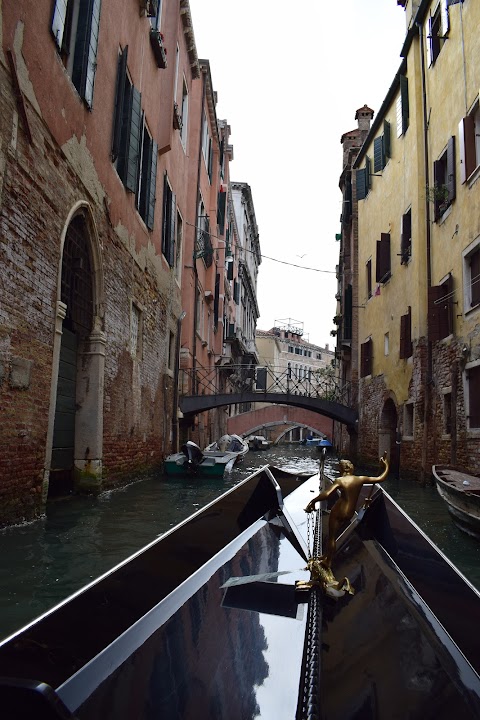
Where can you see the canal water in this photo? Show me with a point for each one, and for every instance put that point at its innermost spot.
(80, 538)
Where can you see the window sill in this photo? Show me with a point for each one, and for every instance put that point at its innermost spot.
(444, 215)
(472, 179)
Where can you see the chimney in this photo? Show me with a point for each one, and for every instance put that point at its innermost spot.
(364, 116)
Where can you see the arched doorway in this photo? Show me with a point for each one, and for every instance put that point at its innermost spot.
(388, 432)
(76, 415)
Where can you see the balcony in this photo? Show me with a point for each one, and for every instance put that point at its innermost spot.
(159, 51)
(177, 118)
(204, 248)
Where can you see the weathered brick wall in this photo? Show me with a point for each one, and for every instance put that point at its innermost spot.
(38, 188)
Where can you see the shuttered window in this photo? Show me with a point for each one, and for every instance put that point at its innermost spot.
(403, 107)
(236, 291)
(406, 238)
(361, 183)
(378, 154)
(168, 222)
(366, 358)
(473, 379)
(475, 277)
(437, 27)
(444, 180)
(369, 278)
(145, 198)
(230, 270)
(216, 301)
(221, 204)
(406, 348)
(469, 143)
(347, 315)
(75, 27)
(440, 310)
(383, 267)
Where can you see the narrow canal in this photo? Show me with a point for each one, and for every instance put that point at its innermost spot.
(82, 537)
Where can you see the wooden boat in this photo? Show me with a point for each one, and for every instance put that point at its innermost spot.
(208, 622)
(461, 493)
(229, 444)
(192, 461)
(258, 442)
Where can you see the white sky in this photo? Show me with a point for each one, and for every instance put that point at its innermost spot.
(289, 78)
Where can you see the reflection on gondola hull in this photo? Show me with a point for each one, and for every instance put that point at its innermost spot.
(160, 637)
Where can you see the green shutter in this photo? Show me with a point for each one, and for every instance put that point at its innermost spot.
(171, 245)
(133, 150)
(405, 103)
(386, 140)
(165, 220)
(361, 184)
(92, 53)
(86, 45)
(368, 174)
(152, 185)
(58, 21)
(378, 163)
(451, 184)
(216, 301)
(230, 270)
(221, 203)
(119, 100)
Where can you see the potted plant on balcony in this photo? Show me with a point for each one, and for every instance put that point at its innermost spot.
(439, 195)
(159, 50)
(177, 117)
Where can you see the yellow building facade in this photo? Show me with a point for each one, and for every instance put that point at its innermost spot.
(417, 193)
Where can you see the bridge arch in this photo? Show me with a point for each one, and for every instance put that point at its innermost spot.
(194, 404)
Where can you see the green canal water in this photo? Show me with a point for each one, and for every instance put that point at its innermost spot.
(80, 538)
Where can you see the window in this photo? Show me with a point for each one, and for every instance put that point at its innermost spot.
(221, 205)
(437, 28)
(386, 343)
(168, 224)
(472, 373)
(403, 109)
(440, 310)
(469, 142)
(366, 358)
(291, 349)
(204, 247)
(369, 278)
(447, 412)
(406, 348)
(179, 248)
(183, 133)
(408, 418)
(135, 330)
(363, 180)
(75, 27)
(381, 148)
(155, 13)
(147, 178)
(444, 189)
(171, 351)
(207, 149)
(471, 276)
(127, 127)
(383, 258)
(200, 309)
(406, 238)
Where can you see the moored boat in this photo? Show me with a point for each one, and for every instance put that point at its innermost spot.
(258, 442)
(192, 461)
(208, 622)
(461, 494)
(229, 444)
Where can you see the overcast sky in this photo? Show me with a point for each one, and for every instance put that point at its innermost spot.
(289, 78)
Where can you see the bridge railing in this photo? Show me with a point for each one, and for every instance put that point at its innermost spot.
(263, 379)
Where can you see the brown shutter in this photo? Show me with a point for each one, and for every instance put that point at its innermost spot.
(406, 334)
(466, 140)
(434, 294)
(437, 180)
(451, 183)
(474, 396)
(383, 258)
(475, 277)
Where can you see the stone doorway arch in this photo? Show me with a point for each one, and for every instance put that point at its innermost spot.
(387, 433)
(75, 429)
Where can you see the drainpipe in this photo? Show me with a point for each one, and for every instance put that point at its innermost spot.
(195, 271)
(176, 373)
(429, 376)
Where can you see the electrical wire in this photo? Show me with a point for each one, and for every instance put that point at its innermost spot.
(262, 256)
